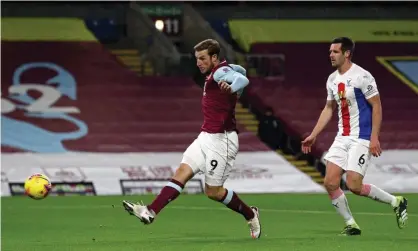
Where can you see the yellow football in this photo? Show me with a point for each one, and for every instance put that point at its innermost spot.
(37, 186)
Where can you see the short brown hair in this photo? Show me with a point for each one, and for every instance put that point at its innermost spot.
(346, 44)
(211, 45)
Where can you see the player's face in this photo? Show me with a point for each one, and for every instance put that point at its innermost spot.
(337, 56)
(204, 61)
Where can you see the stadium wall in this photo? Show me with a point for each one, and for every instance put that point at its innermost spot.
(147, 173)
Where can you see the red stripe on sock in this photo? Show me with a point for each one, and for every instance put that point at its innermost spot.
(365, 189)
(335, 194)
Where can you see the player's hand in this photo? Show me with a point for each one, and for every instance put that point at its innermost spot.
(307, 144)
(375, 149)
(225, 87)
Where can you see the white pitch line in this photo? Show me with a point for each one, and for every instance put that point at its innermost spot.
(204, 209)
(290, 211)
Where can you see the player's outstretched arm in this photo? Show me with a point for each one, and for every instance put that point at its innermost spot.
(323, 120)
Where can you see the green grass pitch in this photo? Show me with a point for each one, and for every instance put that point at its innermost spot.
(289, 222)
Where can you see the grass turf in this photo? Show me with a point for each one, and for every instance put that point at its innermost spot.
(289, 222)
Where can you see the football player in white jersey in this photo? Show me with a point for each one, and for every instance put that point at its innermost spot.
(353, 90)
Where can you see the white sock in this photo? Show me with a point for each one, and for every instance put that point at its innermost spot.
(378, 194)
(339, 201)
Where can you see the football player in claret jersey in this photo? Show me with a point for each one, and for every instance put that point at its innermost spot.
(213, 152)
(354, 91)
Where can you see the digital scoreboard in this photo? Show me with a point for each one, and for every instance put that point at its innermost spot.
(166, 18)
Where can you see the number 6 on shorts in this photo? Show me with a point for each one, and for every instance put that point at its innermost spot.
(358, 159)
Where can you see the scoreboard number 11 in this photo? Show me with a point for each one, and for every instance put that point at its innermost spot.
(170, 26)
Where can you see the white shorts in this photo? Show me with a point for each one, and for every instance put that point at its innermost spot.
(349, 153)
(213, 154)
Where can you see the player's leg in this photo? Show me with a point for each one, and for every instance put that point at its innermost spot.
(193, 160)
(338, 198)
(214, 190)
(336, 162)
(230, 199)
(173, 189)
(170, 192)
(219, 163)
(358, 162)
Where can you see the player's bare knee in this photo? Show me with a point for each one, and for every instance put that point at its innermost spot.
(332, 182)
(331, 185)
(214, 193)
(354, 186)
(333, 177)
(354, 182)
